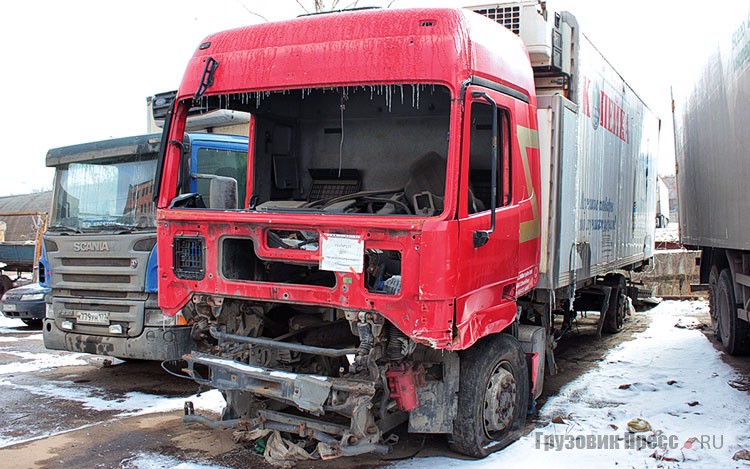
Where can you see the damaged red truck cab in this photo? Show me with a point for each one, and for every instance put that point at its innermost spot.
(391, 223)
(452, 293)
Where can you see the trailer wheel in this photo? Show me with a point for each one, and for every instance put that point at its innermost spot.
(733, 332)
(493, 397)
(614, 318)
(713, 279)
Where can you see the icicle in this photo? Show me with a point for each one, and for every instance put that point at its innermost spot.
(401, 90)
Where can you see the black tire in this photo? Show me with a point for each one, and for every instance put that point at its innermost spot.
(614, 318)
(713, 280)
(34, 323)
(733, 332)
(5, 284)
(493, 396)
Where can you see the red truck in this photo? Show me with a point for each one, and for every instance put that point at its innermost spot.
(425, 196)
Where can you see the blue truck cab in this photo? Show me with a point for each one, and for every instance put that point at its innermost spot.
(99, 251)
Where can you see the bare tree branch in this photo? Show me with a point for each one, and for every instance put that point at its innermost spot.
(252, 12)
(302, 6)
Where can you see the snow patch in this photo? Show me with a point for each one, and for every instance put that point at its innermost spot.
(671, 377)
(160, 461)
(10, 325)
(129, 404)
(40, 361)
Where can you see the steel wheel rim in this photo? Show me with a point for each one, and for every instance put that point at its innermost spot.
(499, 400)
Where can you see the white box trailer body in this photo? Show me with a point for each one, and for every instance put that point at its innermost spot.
(712, 118)
(598, 143)
(601, 151)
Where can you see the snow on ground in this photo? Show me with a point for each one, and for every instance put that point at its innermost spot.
(159, 461)
(129, 404)
(10, 325)
(90, 397)
(39, 361)
(671, 377)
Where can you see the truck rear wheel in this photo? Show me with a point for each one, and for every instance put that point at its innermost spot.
(614, 318)
(733, 332)
(493, 397)
(713, 280)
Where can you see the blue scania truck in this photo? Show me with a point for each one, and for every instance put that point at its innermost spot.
(99, 251)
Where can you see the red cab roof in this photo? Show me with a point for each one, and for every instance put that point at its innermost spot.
(441, 46)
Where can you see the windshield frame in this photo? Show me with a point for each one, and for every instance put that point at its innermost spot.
(136, 207)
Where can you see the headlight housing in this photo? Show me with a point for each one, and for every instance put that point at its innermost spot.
(32, 297)
(155, 317)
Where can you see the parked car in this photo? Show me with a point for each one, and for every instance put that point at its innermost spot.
(25, 303)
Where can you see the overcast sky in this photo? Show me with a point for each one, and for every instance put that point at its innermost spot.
(75, 71)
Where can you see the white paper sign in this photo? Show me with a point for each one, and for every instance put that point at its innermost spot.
(341, 253)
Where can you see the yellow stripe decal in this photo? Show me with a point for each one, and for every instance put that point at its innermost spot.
(529, 138)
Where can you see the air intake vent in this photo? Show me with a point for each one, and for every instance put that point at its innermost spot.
(510, 17)
(189, 262)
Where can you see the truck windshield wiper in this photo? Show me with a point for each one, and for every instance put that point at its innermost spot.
(64, 228)
(121, 227)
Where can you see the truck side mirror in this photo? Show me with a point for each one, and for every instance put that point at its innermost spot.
(482, 236)
(222, 191)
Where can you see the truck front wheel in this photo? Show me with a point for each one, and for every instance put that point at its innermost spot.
(733, 331)
(493, 396)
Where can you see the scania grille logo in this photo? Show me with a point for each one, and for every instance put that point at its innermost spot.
(84, 246)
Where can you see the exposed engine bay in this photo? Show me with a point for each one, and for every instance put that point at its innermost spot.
(342, 378)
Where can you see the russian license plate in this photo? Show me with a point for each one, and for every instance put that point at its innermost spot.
(92, 317)
(9, 307)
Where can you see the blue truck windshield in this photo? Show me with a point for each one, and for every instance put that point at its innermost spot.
(112, 194)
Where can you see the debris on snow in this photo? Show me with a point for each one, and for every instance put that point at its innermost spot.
(742, 454)
(742, 384)
(639, 425)
(689, 323)
(277, 451)
(667, 455)
(284, 453)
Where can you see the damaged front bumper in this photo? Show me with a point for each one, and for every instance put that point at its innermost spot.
(317, 395)
(155, 343)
